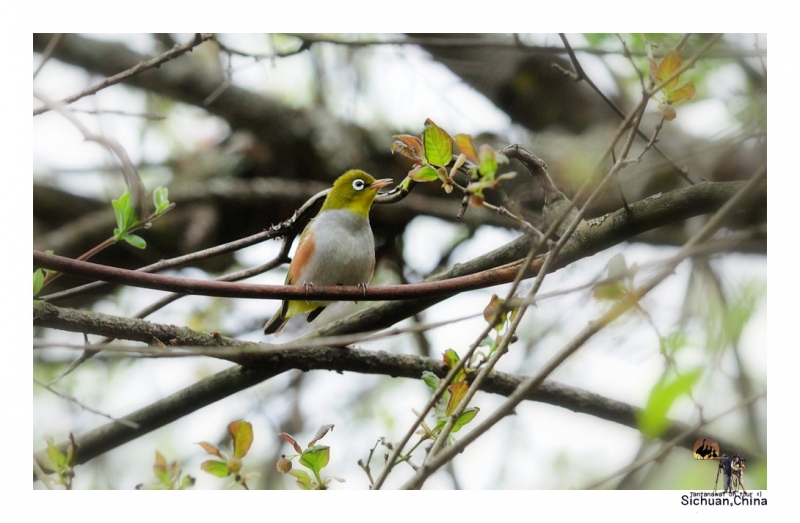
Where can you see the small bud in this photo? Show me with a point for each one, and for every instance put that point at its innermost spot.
(284, 465)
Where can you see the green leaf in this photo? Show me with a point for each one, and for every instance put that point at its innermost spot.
(423, 173)
(488, 162)
(457, 392)
(242, 434)
(610, 291)
(467, 416)
(119, 210)
(55, 455)
(438, 144)
(451, 359)
(186, 482)
(653, 419)
(38, 281)
(136, 241)
(160, 469)
(161, 199)
(303, 479)
(315, 458)
(430, 379)
(215, 468)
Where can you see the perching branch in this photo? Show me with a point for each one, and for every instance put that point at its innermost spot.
(602, 233)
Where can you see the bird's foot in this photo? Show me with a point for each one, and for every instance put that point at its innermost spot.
(307, 285)
(363, 287)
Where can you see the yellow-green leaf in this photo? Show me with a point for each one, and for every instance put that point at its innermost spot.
(467, 416)
(316, 457)
(683, 94)
(488, 162)
(38, 281)
(215, 468)
(242, 434)
(669, 64)
(653, 419)
(302, 477)
(430, 379)
(610, 291)
(451, 359)
(55, 455)
(423, 173)
(438, 144)
(136, 241)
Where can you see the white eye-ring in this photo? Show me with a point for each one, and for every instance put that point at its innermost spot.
(358, 184)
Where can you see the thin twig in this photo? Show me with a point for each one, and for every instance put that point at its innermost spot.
(84, 406)
(48, 52)
(173, 53)
(581, 75)
(129, 172)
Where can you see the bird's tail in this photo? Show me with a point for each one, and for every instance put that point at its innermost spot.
(275, 324)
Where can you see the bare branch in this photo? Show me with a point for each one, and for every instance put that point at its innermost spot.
(173, 53)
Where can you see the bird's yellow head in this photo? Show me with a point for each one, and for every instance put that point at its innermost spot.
(355, 191)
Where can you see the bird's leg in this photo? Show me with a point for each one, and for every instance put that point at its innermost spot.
(308, 285)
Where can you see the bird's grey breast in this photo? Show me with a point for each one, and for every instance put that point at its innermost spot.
(344, 249)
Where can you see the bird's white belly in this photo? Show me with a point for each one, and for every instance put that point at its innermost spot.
(344, 250)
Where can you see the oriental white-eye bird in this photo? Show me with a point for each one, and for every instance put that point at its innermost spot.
(336, 247)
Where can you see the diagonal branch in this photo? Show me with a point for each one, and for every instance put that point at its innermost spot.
(266, 365)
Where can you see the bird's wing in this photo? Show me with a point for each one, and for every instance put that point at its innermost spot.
(302, 257)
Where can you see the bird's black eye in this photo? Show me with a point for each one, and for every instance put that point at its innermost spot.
(358, 184)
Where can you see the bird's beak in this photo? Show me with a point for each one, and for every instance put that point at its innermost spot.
(379, 184)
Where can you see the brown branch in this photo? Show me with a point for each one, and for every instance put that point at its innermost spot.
(173, 53)
(269, 364)
(504, 43)
(268, 189)
(602, 233)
